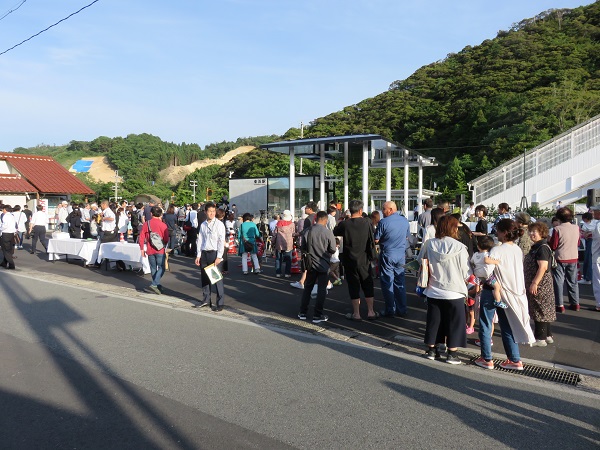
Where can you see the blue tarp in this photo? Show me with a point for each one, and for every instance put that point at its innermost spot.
(82, 165)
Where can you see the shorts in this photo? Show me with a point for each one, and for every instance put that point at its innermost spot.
(358, 278)
(491, 281)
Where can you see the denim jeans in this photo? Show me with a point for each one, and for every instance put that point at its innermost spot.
(486, 317)
(157, 267)
(282, 257)
(565, 272)
(393, 288)
(64, 227)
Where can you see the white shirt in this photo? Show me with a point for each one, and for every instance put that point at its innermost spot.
(85, 215)
(20, 220)
(211, 236)
(39, 218)
(9, 224)
(62, 215)
(193, 218)
(481, 269)
(108, 225)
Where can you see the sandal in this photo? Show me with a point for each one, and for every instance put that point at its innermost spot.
(350, 316)
(376, 316)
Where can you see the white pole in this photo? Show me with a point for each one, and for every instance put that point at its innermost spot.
(292, 183)
(346, 199)
(365, 176)
(388, 172)
(406, 183)
(420, 194)
(322, 179)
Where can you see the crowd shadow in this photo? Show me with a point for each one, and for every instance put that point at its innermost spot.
(108, 420)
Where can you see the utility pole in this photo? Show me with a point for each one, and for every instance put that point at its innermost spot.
(116, 186)
(301, 130)
(524, 203)
(194, 183)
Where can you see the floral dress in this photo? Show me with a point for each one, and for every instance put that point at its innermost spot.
(541, 306)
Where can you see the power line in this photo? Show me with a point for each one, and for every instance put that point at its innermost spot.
(13, 10)
(46, 29)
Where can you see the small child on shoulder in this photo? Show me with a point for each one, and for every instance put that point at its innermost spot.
(484, 269)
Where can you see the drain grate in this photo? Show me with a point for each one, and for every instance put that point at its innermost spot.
(541, 373)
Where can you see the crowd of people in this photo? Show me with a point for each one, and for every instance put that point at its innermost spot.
(512, 275)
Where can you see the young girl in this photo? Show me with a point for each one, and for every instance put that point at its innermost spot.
(334, 268)
(484, 268)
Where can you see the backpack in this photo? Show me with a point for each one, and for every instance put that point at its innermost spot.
(553, 263)
(155, 240)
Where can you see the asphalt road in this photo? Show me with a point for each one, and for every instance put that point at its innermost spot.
(85, 368)
(577, 334)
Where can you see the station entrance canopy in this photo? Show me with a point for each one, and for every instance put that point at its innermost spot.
(364, 150)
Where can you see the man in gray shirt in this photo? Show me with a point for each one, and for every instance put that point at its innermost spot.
(319, 243)
(425, 217)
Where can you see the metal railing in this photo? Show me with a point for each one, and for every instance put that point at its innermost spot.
(542, 158)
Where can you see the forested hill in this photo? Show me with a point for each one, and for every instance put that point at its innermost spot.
(485, 104)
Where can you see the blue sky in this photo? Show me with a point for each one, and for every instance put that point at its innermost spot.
(200, 71)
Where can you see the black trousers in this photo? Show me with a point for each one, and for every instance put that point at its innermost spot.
(87, 233)
(7, 242)
(39, 232)
(320, 279)
(206, 259)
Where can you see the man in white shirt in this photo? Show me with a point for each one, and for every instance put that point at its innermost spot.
(85, 220)
(210, 246)
(62, 216)
(273, 223)
(37, 228)
(108, 223)
(8, 228)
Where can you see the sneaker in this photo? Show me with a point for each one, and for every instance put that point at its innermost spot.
(302, 316)
(549, 340)
(453, 359)
(539, 343)
(278, 275)
(483, 363)
(560, 309)
(511, 365)
(470, 330)
(319, 319)
(584, 282)
(258, 271)
(500, 305)
(574, 307)
(297, 285)
(155, 289)
(288, 276)
(431, 353)
(478, 343)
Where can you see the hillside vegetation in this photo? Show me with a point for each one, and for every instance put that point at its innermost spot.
(472, 111)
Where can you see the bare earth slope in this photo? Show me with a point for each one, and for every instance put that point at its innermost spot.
(102, 171)
(174, 175)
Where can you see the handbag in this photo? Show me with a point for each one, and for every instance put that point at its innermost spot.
(248, 246)
(423, 274)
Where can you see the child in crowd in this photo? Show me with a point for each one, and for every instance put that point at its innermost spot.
(334, 268)
(484, 268)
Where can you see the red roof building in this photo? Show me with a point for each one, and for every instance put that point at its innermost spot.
(40, 175)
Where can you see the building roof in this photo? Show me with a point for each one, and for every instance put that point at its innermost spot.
(47, 175)
(15, 183)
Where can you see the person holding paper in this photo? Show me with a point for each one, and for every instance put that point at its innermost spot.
(210, 245)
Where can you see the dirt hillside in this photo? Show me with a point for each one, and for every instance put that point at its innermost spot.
(174, 175)
(100, 170)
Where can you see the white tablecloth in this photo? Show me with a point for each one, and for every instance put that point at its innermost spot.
(78, 248)
(126, 252)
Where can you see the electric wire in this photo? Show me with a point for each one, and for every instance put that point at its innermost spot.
(13, 9)
(46, 29)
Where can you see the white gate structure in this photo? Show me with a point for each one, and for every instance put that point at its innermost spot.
(563, 168)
